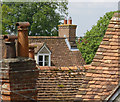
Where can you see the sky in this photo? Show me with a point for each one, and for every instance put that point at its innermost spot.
(86, 13)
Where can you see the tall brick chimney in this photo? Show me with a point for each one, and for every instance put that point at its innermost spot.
(23, 50)
(18, 76)
(68, 30)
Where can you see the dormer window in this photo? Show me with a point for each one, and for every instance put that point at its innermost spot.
(44, 56)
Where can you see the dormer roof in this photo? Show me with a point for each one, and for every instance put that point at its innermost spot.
(41, 48)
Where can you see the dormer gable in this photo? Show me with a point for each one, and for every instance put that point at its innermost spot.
(44, 50)
(43, 56)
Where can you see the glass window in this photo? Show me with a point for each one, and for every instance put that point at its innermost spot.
(43, 60)
(41, 63)
(46, 63)
(46, 57)
(46, 60)
(40, 58)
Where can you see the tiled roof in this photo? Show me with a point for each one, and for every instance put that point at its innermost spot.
(37, 46)
(60, 53)
(115, 95)
(103, 74)
(59, 83)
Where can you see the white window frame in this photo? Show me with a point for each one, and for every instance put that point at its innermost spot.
(43, 54)
(49, 64)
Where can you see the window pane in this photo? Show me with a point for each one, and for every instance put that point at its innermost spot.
(46, 63)
(41, 63)
(40, 58)
(46, 58)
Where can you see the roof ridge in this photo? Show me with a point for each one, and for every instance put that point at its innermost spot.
(75, 68)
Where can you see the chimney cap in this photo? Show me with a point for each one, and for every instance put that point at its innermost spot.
(23, 24)
(9, 37)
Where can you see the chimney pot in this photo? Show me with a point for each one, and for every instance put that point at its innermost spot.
(31, 51)
(10, 51)
(70, 20)
(10, 38)
(65, 20)
(23, 24)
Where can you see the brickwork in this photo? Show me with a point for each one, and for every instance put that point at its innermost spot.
(18, 78)
(68, 30)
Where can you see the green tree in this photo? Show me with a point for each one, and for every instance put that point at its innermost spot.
(44, 17)
(5, 21)
(89, 44)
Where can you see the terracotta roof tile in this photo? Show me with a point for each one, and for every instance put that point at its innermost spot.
(59, 83)
(103, 74)
(64, 68)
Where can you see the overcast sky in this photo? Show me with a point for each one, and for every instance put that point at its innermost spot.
(85, 14)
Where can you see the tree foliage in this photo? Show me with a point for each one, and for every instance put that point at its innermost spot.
(89, 44)
(44, 17)
(5, 20)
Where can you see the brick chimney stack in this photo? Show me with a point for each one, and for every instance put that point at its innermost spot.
(23, 50)
(67, 30)
(19, 75)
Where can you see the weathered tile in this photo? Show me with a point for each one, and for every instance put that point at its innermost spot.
(104, 74)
